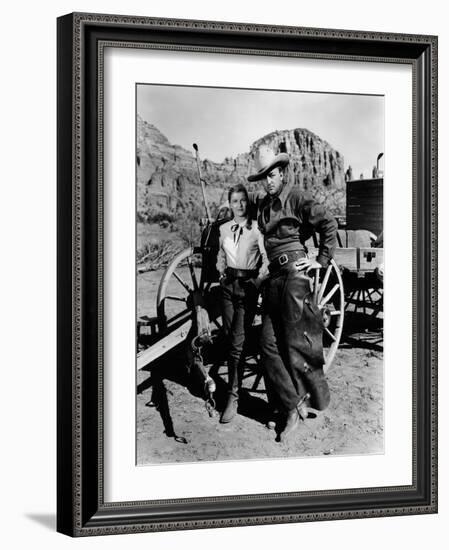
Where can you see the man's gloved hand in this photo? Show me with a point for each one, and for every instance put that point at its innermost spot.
(307, 264)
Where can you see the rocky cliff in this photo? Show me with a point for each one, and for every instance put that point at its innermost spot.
(314, 165)
(167, 181)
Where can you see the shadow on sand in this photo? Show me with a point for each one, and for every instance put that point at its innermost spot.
(359, 332)
(173, 366)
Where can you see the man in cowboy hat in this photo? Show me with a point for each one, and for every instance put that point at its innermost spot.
(292, 327)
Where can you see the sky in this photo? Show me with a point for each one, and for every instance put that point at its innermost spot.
(225, 122)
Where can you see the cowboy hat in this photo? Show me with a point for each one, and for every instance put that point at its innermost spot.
(265, 161)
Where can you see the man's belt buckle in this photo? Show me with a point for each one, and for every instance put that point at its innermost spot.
(283, 259)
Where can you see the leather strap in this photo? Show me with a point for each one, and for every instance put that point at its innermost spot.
(285, 259)
(241, 273)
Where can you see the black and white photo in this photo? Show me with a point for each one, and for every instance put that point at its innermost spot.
(259, 274)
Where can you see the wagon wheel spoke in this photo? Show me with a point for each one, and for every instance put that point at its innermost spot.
(324, 283)
(329, 333)
(176, 298)
(380, 293)
(362, 302)
(185, 285)
(356, 301)
(349, 299)
(315, 285)
(184, 313)
(192, 274)
(370, 298)
(329, 296)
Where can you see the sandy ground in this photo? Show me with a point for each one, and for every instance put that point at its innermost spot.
(173, 424)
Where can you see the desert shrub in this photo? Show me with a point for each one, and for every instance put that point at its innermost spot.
(156, 254)
(159, 216)
(184, 218)
(141, 217)
(188, 228)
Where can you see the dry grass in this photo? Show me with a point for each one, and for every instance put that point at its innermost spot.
(155, 255)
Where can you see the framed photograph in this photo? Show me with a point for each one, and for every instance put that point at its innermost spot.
(247, 270)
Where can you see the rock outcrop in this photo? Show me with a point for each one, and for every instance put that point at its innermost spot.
(314, 165)
(167, 180)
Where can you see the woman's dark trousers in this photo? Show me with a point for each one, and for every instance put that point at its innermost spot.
(239, 301)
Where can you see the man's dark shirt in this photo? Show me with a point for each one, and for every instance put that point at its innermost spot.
(288, 220)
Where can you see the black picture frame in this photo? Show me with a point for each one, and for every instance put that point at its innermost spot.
(81, 510)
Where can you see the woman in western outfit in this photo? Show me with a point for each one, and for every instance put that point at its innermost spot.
(240, 254)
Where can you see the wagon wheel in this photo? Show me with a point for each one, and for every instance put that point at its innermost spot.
(363, 299)
(328, 294)
(174, 298)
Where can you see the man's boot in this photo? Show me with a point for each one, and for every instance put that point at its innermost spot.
(291, 423)
(294, 416)
(230, 410)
